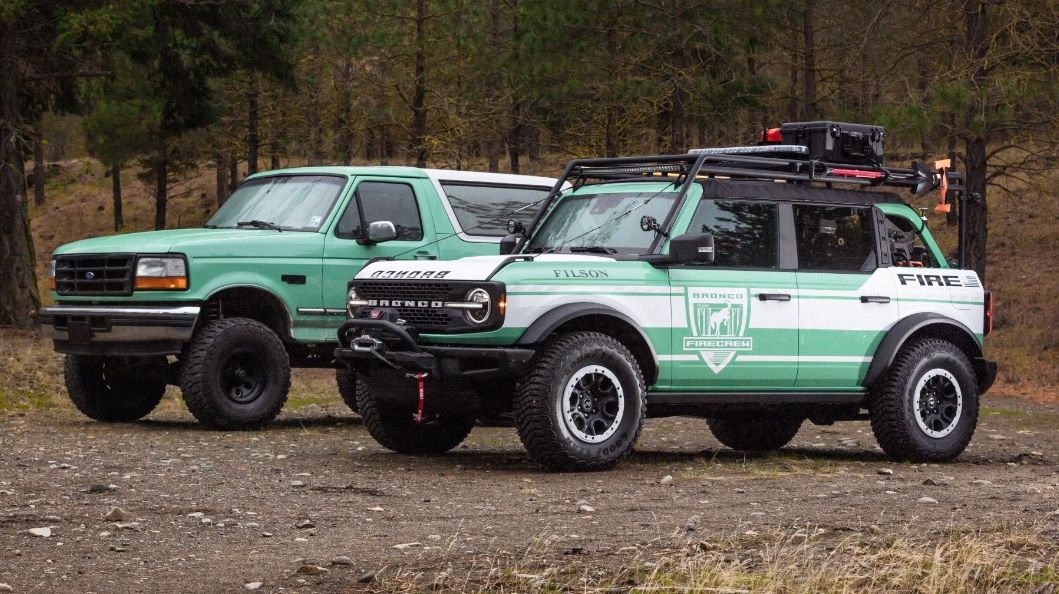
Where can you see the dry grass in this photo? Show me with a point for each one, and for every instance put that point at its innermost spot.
(799, 561)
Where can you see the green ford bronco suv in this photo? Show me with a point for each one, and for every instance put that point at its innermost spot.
(225, 311)
(743, 288)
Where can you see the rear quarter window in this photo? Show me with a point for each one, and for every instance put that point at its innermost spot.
(486, 209)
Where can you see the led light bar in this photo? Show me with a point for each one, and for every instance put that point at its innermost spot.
(767, 149)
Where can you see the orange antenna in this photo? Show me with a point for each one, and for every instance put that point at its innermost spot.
(942, 166)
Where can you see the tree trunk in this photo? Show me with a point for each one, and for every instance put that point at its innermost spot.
(494, 145)
(115, 190)
(19, 298)
(222, 181)
(975, 42)
(345, 117)
(40, 170)
(273, 155)
(161, 181)
(514, 135)
(419, 95)
(252, 142)
(233, 174)
(809, 63)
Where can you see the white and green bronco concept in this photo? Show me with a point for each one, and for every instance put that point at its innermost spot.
(730, 286)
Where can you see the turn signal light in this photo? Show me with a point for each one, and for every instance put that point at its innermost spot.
(987, 326)
(166, 283)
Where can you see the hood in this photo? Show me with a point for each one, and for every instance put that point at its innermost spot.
(475, 268)
(186, 241)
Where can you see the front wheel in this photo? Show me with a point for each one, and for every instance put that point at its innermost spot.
(115, 389)
(347, 387)
(581, 406)
(236, 374)
(926, 408)
(385, 402)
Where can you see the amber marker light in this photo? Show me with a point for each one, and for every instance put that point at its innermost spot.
(501, 304)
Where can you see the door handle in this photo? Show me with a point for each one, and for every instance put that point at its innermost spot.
(874, 299)
(774, 296)
(425, 255)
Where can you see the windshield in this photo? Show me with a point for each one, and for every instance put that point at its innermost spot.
(290, 202)
(601, 223)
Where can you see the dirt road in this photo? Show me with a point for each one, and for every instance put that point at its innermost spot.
(212, 511)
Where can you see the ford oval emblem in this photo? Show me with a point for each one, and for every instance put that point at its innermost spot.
(90, 275)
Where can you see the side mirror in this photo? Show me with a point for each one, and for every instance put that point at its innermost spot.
(508, 244)
(380, 231)
(692, 248)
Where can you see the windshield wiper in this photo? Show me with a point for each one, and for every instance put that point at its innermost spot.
(592, 249)
(259, 225)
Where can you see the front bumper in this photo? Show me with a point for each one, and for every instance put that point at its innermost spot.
(365, 343)
(120, 329)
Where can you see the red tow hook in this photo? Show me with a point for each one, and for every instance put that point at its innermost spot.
(422, 396)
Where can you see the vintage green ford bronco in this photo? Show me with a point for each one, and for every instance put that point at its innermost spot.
(743, 288)
(226, 310)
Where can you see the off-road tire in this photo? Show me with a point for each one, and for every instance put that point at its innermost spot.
(390, 418)
(749, 434)
(209, 381)
(347, 387)
(541, 395)
(893, 418)
(115, 389)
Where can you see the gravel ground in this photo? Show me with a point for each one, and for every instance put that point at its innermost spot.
(314, 504)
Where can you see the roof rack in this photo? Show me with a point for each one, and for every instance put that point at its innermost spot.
(768, 162)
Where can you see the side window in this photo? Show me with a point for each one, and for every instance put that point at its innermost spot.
(485, 210)
(348, 226)
(838, 238)
(744, 232)
(382, 201)
(906, 244)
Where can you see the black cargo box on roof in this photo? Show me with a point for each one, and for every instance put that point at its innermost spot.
(837, 142)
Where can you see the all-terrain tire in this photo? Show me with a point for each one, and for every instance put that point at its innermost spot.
(347, 387)
(926, 434)
(115, 389)
(390, 418)
(547, 417)
(236, 374)
(754, 434)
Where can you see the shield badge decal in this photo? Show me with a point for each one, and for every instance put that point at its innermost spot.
(717, 320)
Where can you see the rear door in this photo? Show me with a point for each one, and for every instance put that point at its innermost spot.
(846, 302)
(736, 327)
(404, 202)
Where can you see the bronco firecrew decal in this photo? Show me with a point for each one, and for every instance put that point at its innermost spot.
(718, 321)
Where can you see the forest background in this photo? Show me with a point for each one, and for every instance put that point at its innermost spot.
(125, 116)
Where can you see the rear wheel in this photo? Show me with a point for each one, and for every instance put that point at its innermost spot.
(754, 434)
(347, 387)
(581, 406)
(115, 389)
(236, 374)
(926, 408)
(388, 408)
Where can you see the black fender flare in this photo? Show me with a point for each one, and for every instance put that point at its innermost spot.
(545, 325)
(897, 336)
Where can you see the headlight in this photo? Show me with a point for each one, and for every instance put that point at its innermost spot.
(478, 316)
(51, 274)
(161, 273)
(352, 301)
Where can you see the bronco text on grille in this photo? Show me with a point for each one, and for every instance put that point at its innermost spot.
(418, 303)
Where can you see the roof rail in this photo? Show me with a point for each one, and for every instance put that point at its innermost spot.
(782, 163)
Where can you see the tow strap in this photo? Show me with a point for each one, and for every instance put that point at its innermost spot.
(422, 395)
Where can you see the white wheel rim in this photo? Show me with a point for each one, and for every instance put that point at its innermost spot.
(593, 404)
(937, 403)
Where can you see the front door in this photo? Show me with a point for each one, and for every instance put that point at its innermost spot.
(401, 202)
(736, 327)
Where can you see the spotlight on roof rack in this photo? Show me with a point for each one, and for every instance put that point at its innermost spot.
(768, 149)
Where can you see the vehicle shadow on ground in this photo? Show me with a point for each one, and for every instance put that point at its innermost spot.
(277, 425)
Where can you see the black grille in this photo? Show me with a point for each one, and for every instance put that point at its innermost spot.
(423, 319)
(95, 274)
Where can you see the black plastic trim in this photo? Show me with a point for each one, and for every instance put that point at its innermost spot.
(899, 334)
(692, 398)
